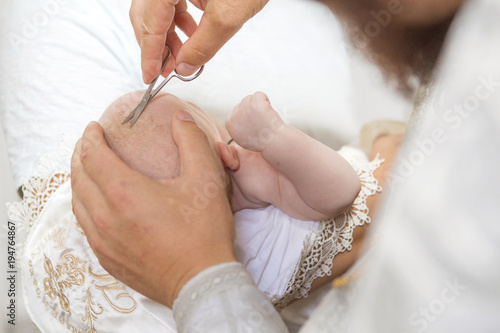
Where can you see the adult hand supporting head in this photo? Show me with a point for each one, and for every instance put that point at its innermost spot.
(154, 24)
(153, 236)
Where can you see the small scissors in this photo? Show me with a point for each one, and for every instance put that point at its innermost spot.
(150, 93)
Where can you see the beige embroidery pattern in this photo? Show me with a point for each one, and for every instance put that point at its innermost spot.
(58, 236)
(92, 311)
(107, 288)
(39, 190)
(66, 275)
(70, 272)
(56, 272)
(35, 282)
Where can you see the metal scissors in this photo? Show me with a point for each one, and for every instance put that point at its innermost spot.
(150, 93)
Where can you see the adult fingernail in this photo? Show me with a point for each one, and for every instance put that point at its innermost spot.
(146, 79)
(185, 116)
(186, 69)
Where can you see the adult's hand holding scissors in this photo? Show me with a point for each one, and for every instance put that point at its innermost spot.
(153, 236)
(154, 23)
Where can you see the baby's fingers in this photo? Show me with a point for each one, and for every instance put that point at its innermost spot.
(246, 102)
(230, 118)
(260, 101)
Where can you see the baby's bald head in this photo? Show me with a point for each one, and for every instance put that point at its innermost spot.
(148, 146)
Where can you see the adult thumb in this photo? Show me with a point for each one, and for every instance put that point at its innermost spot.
(205, 42)
(197, 153)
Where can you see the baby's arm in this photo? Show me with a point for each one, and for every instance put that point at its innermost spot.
(312, 181)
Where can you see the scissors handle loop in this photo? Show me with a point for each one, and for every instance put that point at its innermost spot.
(150, 93)
(176, 75)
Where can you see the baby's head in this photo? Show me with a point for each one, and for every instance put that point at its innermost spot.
(148, 146)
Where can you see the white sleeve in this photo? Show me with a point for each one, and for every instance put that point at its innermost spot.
(224, 298)
(435, 265)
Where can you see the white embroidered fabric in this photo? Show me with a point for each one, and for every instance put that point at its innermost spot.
(52, 171)
(66, 288)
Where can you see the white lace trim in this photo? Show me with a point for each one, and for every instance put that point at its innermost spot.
(334, 236)
(53, 170)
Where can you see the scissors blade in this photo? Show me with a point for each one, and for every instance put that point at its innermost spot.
(135, 114)
(148, 96)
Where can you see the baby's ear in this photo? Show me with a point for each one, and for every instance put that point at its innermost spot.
(229, 155)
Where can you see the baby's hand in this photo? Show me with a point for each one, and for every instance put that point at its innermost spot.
(253, 124)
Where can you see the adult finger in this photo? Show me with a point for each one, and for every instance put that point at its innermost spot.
(174, 43)
(102, 165)
(185, 22)
(197, 155)
(80, 184)
(136, 13)
(157, 19)
(220, 21)
(203, 45)
(90, 206)
(172, 39)
(84, 220)
(183, 19)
